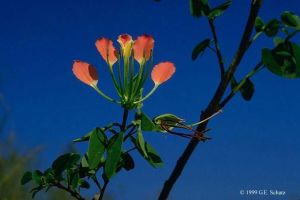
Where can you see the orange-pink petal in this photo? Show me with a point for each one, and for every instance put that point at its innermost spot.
(143, 47)
(124, 39)
(85, 72)
(162, 72)
(107, 50)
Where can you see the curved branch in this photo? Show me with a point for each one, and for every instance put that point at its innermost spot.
(213, 106)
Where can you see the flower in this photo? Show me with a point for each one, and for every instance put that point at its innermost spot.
(107, 50)
(85, 73)
(125, 41)
(162, 72)
(142, 48)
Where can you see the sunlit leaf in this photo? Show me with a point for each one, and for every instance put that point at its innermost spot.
(146, 123)
(96, 148)
(141, 142)
(113, 154)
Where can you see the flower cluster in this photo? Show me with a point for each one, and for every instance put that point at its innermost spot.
(128, 79)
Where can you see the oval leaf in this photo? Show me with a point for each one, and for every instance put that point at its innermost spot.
(290, 19)
(259, 24)
(200, 48)
(96, 148)
(113, 154)
(146, 123)
(64, 162)
(199, 8)
(247, 90)
(219, 10)
(272, 27)
(26, 178)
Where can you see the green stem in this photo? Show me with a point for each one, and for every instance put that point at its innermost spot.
(115, 81)
(205, 120)
(148, 95)
(104, 95)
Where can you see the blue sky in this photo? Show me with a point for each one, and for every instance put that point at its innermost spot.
(255, 144)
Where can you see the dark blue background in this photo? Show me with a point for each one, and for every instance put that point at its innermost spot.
(255, 144)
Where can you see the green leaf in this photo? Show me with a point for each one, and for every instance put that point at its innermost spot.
(27, 177)
(283, 60)
(146, 123)
(199, 8)
(277, 41)
(37, 177)
(84, 162)
(247, 90)
(84, 184)
(128, 162)
(153, 158)
(113, 154)
(270, 62)
(272, 27)
(200, 48)
(74, 176)
(49, 175)
(96, 148)
(290, 19)
(219, 10)
(296, 55)
(64, 162)
(141, 142)
(259, 24)
(84, 138)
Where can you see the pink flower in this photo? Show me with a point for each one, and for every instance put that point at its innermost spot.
(142, 48)
(162, 72)
(85, 73)
(107, 50)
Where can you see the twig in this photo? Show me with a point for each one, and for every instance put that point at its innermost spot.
(256, 69)
(69, 190)
(217, 46)
(103, 190)
(213, 106)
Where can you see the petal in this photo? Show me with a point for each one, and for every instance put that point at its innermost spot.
(162, 72)
(107, 50)
(85, 72)
(143, 47)
(124, 39)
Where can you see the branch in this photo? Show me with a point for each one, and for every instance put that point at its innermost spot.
(213, 106)
(217, 46)
(256, 69)
(103, 189)
(73, 193)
